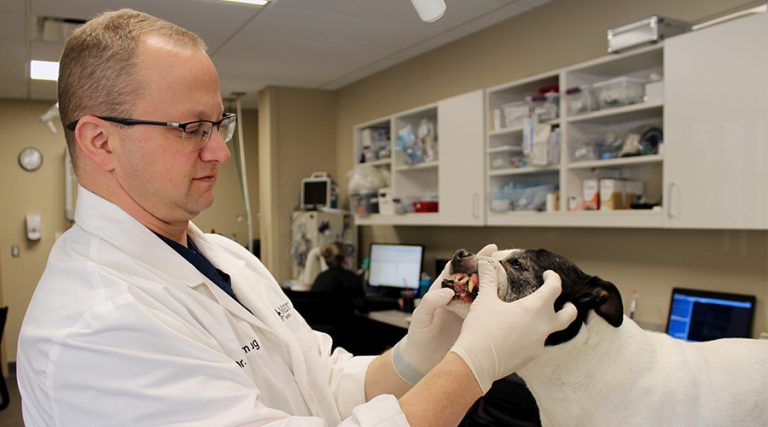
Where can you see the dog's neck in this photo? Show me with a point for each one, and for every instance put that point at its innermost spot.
(565, 372)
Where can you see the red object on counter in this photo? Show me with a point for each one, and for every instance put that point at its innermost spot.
(425, 206)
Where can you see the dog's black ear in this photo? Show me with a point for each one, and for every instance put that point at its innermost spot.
(604, 298)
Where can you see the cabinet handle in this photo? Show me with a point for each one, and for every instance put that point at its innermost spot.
(670, 189)
(476, 205)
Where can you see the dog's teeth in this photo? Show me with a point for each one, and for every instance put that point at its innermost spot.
(463, 279)
(471, 286)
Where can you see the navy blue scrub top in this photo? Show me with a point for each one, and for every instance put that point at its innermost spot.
(201, 263)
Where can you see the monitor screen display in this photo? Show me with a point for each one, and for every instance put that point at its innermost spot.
(696, 315)
(314, 193)
(397, 266)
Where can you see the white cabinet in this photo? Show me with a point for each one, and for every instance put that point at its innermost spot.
(553, 153)
(702, 124)
(450, 172)
(461, 172)
(716, 117)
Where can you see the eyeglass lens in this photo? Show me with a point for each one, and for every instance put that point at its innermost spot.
(202, 131)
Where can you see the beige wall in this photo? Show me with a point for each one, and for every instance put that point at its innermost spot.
(227, 215)
(42, 191)
(298, 137)
(24, 192)
(558, 34)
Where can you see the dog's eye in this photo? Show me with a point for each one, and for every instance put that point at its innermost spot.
(516, 264)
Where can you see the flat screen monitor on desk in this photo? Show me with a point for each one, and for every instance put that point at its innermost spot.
(696, 315)
(395, 267)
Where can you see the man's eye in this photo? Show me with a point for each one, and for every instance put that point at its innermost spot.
(193, 129)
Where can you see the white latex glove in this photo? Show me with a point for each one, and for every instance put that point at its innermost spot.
(432, 332)
(498, 337)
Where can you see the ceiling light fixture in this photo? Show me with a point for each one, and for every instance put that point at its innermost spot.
(256, 2)
(429, 10)
(44, 70)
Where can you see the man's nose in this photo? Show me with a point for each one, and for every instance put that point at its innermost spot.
(215, 150)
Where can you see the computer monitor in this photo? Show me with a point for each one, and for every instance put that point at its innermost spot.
(395, 266)
(696, 315)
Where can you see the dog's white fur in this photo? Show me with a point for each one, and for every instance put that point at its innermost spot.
(628, 376)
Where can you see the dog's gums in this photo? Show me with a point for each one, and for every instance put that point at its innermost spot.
(465, 286)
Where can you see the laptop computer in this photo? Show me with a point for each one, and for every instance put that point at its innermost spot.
(697, 315)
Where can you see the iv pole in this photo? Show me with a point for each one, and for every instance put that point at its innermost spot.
(243, 175)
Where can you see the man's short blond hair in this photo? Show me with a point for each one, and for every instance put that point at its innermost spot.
(97, 71)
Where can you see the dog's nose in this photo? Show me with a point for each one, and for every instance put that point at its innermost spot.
(461, 253)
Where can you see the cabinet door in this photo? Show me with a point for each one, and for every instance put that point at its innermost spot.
(460, 136)
(716, 126)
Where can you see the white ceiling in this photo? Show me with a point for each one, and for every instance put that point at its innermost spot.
(323, 44)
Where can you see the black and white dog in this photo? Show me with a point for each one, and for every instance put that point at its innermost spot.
(604, 370)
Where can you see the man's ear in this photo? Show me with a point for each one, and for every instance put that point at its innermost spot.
(603, 297)
(93, 136)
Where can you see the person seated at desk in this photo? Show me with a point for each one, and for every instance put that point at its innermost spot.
(346, 285)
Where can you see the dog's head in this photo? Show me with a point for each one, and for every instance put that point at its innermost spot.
(521, 272)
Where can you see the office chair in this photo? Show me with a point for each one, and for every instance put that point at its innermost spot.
(3, 386)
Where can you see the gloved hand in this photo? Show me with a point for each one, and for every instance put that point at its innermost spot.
(498, 337)
(432, 331)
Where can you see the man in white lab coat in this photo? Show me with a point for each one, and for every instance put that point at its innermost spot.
(140, 319)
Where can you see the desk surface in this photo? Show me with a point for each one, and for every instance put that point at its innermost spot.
(397, 318)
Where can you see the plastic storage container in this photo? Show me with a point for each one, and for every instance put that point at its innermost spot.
(579, 99)
(425, 206)
(365, 203)
(507, 160)
(619, 92)
(545, 106)
(386, 201)
(515, 113)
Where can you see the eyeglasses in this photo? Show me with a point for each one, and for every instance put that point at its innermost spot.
(198, 131)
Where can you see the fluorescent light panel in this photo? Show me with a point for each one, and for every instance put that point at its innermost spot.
(44, 70)
(258, 2)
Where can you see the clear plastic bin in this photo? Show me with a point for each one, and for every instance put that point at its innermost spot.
(579, 99)
(364, 203)
(619, 92)
(546, 106)
(507, 160)
(515, 113)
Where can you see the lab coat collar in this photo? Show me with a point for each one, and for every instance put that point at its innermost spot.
(103, 218)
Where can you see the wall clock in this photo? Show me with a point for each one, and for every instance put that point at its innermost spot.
(30, 159)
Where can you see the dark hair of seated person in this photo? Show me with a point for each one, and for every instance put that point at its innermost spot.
(345, 284)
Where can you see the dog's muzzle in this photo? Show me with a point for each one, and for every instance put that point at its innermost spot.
(463, 279)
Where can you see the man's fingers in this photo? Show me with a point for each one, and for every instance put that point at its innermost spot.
(489, 281)
(430, 303)
(438, 297)
(552, 286)
(566, 315)
(488, 250)
(438, 283)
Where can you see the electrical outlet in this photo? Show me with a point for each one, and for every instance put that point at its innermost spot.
(15, 251)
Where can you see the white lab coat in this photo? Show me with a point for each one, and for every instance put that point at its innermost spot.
(123, 331)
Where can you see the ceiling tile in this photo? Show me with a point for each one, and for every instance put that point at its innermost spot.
(305, 43)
